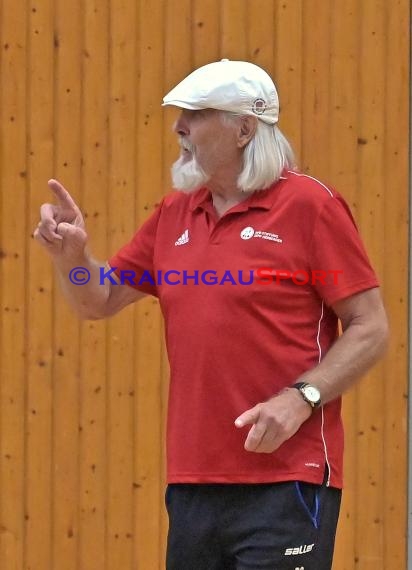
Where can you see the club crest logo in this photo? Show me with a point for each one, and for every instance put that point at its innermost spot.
(247, 233)
(259, 107)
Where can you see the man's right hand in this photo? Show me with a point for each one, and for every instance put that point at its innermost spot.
(61, 230)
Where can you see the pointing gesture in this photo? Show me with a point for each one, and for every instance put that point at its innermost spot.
(273, 422)
(61, 230)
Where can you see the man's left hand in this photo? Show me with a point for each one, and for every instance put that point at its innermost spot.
(275, 421)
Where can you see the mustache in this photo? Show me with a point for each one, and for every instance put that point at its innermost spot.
(186, 144)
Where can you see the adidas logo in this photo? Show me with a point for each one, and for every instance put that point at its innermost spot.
(184, 238)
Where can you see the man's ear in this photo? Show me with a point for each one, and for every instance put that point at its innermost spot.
(247, 130)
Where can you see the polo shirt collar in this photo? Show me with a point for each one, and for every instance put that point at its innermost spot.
(260, 199)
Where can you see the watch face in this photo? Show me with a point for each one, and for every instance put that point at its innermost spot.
(311, 393)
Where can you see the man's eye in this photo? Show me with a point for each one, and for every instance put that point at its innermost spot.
(201, 113)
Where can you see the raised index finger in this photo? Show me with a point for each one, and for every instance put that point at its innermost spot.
(61, 194)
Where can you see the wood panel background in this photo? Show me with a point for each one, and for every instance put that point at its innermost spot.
(82, 404)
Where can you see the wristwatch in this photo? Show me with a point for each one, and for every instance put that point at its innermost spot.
(309, 393)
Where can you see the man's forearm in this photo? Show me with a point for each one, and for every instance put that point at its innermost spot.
(80, 283)
(354, 352)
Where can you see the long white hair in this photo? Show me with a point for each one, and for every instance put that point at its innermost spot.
(266, 155)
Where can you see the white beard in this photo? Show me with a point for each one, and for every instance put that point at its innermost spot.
(188, 175)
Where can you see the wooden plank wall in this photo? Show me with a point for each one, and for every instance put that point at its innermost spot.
(82, 404)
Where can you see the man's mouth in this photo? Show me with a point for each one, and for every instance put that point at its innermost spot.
(186, 153)
(186, 146)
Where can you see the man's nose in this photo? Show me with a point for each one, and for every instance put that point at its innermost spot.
(181, 127)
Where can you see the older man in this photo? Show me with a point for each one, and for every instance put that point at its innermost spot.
(253, 263)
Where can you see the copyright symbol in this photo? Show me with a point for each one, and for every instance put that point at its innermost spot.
(79, 276)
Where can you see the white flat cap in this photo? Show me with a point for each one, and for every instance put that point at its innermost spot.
(236, 86)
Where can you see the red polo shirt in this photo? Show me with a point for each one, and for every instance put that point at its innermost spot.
(236, 339)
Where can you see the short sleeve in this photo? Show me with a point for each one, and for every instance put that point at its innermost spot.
(338, 261)
(133, 263)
